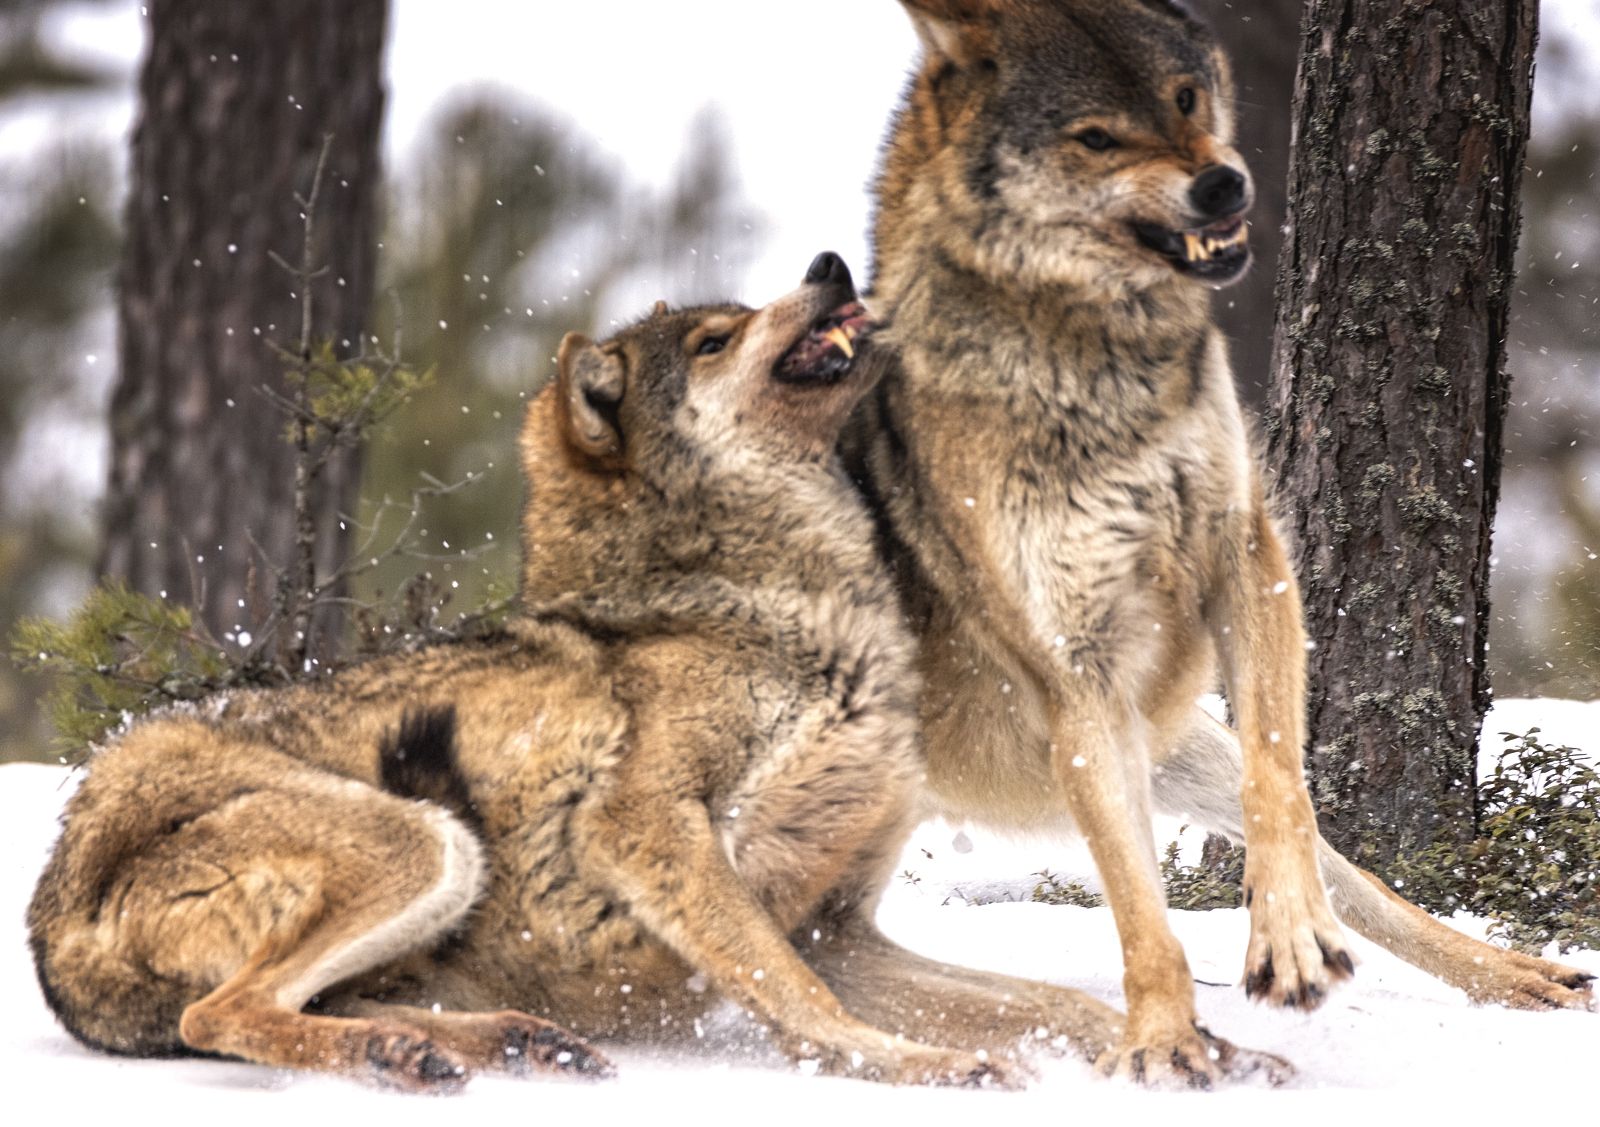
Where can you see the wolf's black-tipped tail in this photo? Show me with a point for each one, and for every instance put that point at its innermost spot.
(419, 761)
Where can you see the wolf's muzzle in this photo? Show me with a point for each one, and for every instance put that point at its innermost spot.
(829, 268)
(1218, 192)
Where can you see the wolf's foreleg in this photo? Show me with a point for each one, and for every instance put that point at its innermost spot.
(1107, 788)
(662, 858)
(1297, 950)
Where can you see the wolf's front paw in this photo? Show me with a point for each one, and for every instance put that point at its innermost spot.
(1297, 950)
(1193, 1058)
(407, 1060)
(532, 1044)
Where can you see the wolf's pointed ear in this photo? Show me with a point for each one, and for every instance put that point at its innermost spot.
(590, 380)
(953, 30)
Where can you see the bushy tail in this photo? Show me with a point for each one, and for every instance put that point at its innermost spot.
(419, 761)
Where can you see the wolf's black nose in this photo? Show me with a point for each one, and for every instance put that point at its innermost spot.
(828, 267)
(1218, 191)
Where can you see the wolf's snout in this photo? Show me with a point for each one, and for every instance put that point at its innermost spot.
(830, 268)
(1219, 191)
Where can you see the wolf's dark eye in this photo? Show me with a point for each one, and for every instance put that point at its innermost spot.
(1097, 139)
(710, 346)
(1186, 101)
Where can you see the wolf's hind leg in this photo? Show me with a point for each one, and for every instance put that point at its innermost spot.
(315, 883)
(929, 1001)
(1200, 778)
(1487, 973)
(1007, 1018)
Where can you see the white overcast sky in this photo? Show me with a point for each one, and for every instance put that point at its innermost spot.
(803, 89)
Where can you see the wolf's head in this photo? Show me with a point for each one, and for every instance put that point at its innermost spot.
(686, 424)
(714, 383)
(1086, 142)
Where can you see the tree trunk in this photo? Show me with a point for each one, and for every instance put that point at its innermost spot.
(1260, 39)
(1411, 121)
(236, 100)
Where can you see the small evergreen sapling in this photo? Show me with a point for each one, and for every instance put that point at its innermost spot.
(124, 653)
(120, 654)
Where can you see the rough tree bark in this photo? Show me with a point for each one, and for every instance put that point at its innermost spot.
(1411, 122)
(1261, 40)
(236, 99)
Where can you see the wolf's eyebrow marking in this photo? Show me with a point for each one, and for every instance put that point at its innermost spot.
(713, 325)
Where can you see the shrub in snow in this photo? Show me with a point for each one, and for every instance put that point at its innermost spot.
(1216, 882)
(1051, 889)
(1534, 866)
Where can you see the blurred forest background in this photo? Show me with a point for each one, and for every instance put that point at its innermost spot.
(482, 213)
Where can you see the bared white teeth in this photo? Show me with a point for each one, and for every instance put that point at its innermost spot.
(1239, 235)
(1196, 248)
(841, 340)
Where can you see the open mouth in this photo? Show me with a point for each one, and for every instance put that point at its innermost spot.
(1218, 253)
(828, 350)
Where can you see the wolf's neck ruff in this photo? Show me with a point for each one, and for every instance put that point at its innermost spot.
(1120, 362)
(700, 531)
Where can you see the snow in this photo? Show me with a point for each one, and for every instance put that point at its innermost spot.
(1392, 1044)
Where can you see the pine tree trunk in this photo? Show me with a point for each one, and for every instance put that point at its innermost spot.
(236, 100)
(1411, 121)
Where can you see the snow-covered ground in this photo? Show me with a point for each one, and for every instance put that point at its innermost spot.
(1394, 1043)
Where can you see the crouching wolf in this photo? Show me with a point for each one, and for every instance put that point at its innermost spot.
(681, 774)
(1066, 490)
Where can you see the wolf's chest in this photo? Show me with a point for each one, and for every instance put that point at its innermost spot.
(1088, 539)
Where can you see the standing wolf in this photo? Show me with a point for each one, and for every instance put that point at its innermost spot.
(1066, 489)
(683, 773)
